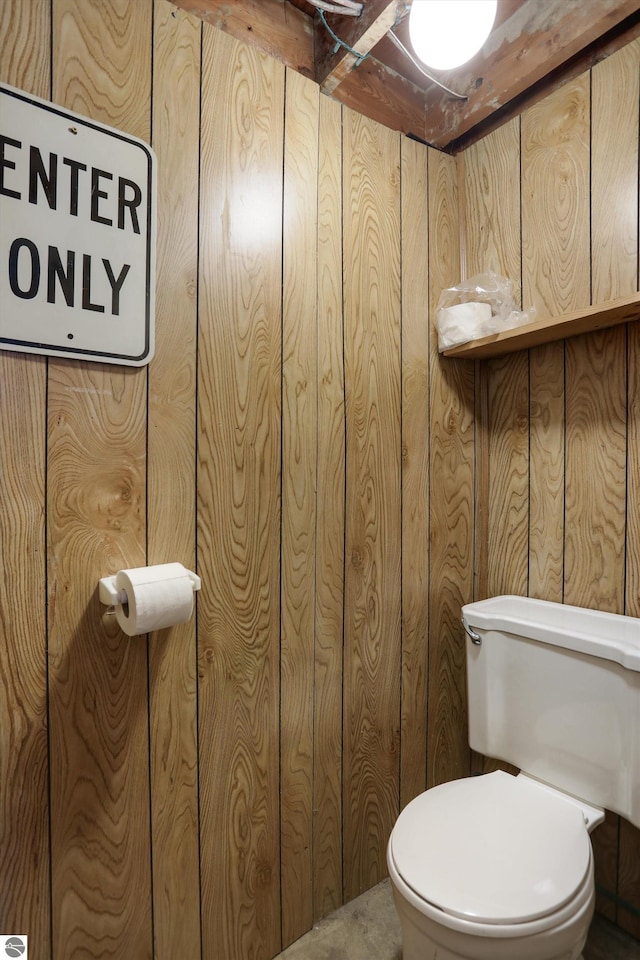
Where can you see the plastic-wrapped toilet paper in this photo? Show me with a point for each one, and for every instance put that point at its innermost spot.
(462, 322)
(156, 597)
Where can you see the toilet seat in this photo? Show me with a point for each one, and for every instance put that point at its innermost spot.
(494, 849)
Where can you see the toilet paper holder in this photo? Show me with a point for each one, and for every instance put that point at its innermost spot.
(110, 596)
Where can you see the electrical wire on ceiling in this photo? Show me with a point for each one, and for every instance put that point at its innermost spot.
(340, 43)
(400, 45)
(350, 8)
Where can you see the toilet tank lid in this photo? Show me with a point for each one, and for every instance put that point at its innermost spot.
(596, 633)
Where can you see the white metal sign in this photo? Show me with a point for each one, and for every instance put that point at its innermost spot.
(77, 235)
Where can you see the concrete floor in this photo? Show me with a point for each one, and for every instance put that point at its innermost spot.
(368, 929)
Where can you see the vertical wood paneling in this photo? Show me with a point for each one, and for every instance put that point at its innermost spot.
(26, 39)
(171, 481)
(299, 419)
(264, 682)
(555, 195)
(611, 482)
(492, 204)
(596, 365)
(238, 504)
(327, 776)
(451, 496)
(25, 31)
(372, 580)
(508, 456)
(596, 394)
(492, 215)
(415, 469)
(632, 600)
(546, 474)
(556, 278)
(96, 524)
(615, 93)
(580, 229)
(629, 866)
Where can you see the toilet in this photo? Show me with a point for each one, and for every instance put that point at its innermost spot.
(500, 867)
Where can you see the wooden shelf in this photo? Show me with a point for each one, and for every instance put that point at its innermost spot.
(534, 334)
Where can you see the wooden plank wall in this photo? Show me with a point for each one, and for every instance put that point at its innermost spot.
(24, 773)
(551, 200)
(213, 789)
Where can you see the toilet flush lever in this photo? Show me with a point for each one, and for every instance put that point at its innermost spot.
(473, 636)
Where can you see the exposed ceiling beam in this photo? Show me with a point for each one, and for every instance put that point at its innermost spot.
(535, 45)
(378, 92)
(537, 39)
(361, 34)
(273, 26)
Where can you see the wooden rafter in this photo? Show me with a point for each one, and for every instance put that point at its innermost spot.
(361, 34)
(536, 40)
(535, 45)
(273, 26)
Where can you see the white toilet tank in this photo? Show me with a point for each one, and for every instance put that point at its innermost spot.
(555, 690)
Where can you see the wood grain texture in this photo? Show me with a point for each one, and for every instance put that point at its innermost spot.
(573, 173)
(327, 776)
(361, 34)
(415, 469)
(604, 841)
(546, 506)
(299, 452)
(239, 361)
(555, 208)
(491, 171)
(98, 677)
(451, 460)
(521, 52)
(481, 483)
(171, 453)
(373, 532)
(596, 393)
(25, 31)
(105, 84)
(24, 771)
(556, 278)
(383, 96)
(615, 93)
(612, 476)
(632, 598)
(629, 863)
(492, 214)
(489, 177)
(508, 513)
(544, 330)
(100, 440)
(96, 510)
(276, 28)
(629, 878)
(596, 365)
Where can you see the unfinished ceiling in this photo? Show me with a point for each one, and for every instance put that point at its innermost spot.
(534, 45)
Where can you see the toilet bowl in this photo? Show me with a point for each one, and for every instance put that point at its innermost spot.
(493, 868)
(500, 867)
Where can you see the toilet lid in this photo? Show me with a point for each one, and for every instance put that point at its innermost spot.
(493, 849)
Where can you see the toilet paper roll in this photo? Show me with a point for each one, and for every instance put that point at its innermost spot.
(157, 597)
(462, 322)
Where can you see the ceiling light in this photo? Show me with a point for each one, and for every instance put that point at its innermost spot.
(447, 33)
